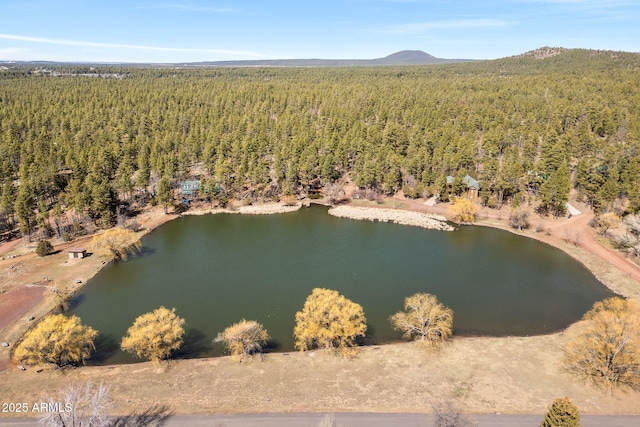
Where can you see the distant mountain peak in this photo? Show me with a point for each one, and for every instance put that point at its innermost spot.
(412, 57)
(415, 55)
(403, 57)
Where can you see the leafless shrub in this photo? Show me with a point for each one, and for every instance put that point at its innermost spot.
(627, 243)
(80, 405)
(605, 222)
(329, 420)
(334, 193)
(577, 239)
(519, 218)
(448, 414)
(632, 223)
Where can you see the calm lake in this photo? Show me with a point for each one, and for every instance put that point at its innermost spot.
(218, 269)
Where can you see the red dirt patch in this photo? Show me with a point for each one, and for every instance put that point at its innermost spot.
(13, 305)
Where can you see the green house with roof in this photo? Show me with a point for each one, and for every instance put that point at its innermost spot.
(190, 189)
(472, 186)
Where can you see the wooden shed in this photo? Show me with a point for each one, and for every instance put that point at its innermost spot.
(77, 253)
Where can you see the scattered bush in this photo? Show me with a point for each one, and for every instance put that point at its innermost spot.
(605, 222)
(245, 338)
(44, 248)
(607, 349)
(447, 414)
(519, 218)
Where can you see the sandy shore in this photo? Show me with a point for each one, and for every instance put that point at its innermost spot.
(416, 219)
(265, 209)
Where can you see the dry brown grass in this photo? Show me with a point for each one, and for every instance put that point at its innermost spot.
(509, 374)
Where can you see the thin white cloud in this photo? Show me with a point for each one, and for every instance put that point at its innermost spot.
(421, 27)
(79, 43)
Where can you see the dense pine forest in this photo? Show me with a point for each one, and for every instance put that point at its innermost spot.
(97, 141)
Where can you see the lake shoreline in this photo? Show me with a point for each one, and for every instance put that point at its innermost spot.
(464, 359)
(153, 218)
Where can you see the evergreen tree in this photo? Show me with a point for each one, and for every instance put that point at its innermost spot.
(562, 413)
(554, 191)
(24, 208)
(164, 193)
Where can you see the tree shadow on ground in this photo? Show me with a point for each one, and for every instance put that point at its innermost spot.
(195, 344)
(155, 416)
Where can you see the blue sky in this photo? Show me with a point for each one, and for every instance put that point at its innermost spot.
(201, 30)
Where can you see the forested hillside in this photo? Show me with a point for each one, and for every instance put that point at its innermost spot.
(524, 127)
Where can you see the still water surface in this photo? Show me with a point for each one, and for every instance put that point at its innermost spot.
(218, 269)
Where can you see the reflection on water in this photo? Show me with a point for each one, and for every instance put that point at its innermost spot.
(218, 269)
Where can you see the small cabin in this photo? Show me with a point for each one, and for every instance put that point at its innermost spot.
(190, 189)
(472, 186)
(77, 253)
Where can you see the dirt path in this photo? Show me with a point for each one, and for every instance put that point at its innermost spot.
(611, 256)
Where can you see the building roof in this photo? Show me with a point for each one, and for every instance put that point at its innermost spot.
(467, 180)
(76, 250)
(189, 187)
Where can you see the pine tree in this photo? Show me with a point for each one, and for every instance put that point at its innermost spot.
(555, 191)
(562, 413)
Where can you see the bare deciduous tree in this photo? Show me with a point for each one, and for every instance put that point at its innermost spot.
(245, 338)
(633, 224)
(80, 405)
(519, 218)
(447, 413)
(334, 193)
(117, 243)
(607, 349)
(328, 420)
(606, 221)
(424, 319)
